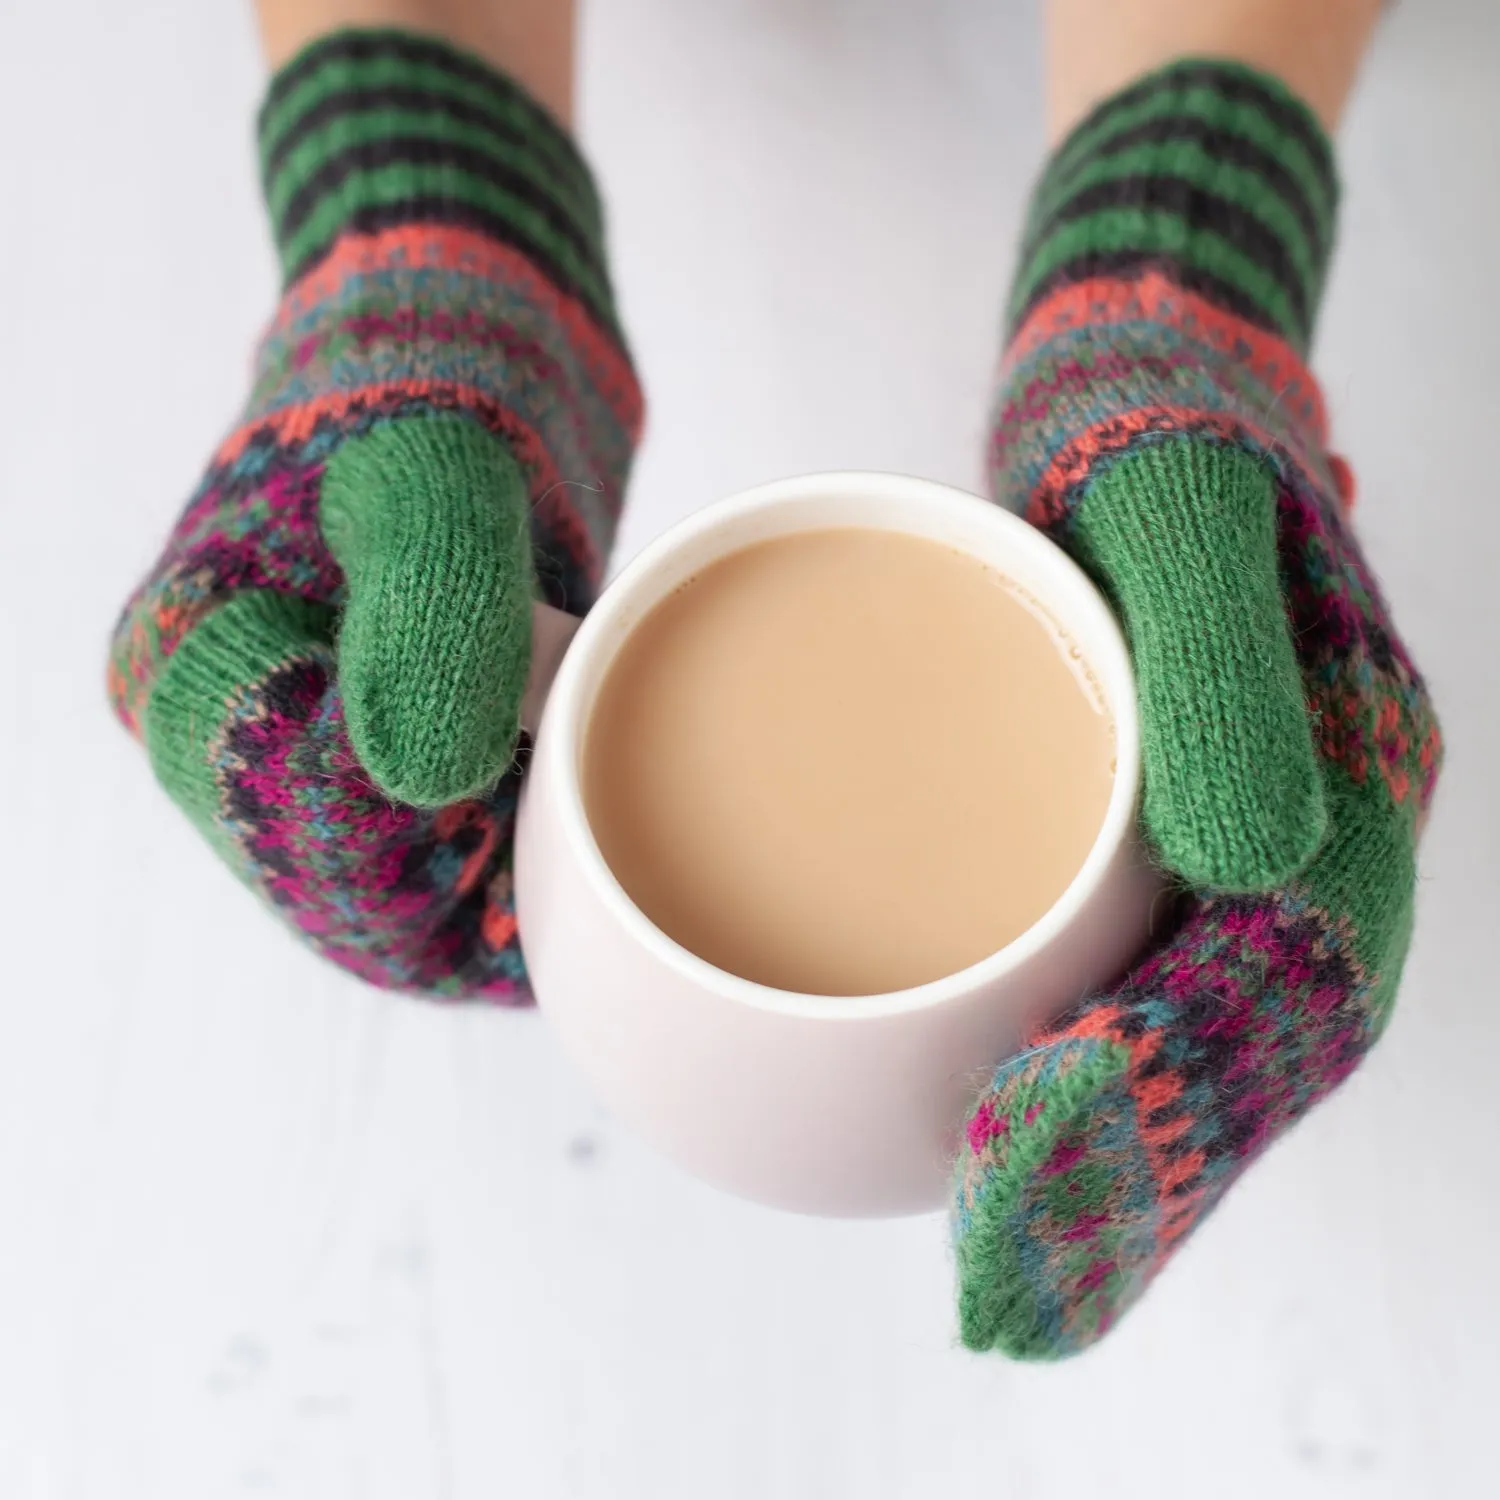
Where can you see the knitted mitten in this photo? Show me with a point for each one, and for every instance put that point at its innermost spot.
(1157, 420)
(327, 661)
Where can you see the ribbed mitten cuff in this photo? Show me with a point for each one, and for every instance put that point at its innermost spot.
(1211, 172)
(368, 129)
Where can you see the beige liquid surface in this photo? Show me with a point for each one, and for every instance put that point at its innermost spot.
(846, 762)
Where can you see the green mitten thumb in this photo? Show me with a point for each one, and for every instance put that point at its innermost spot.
(1183, 534)
(429, 519)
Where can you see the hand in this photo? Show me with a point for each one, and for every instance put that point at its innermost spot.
(327, 662)
(1176, 445)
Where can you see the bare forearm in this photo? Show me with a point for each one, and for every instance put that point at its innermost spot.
(1095, 47)
(531, 40)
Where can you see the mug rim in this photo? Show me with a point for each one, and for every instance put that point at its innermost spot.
(563, 727)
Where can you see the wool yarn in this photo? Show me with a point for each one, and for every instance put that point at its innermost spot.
(1156, 418)
(326, 662)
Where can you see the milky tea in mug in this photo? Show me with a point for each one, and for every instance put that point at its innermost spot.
(847, 762)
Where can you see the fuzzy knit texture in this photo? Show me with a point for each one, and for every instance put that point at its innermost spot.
(327, 660)
(1156, 418)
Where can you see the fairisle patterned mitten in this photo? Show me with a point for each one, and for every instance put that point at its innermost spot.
(327, 661)
(1156, 418)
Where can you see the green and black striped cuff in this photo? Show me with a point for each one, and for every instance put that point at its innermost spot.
(364, 130)
(1211, 172)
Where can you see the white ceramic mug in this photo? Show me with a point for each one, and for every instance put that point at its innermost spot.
(843, 1106)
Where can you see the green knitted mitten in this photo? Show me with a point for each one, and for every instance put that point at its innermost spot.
(327, 661)
(1157, 419)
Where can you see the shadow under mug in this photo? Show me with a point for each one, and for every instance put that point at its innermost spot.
(829, 1105)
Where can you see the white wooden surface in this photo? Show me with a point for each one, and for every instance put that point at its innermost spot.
(265, 1234)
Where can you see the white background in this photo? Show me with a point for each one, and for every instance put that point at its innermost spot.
(264, 1233)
